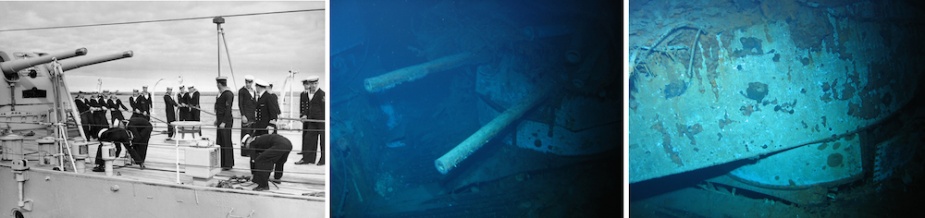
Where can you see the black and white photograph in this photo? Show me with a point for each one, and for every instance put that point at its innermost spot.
(163, 109)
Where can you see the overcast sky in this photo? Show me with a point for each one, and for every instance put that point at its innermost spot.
(266, 46)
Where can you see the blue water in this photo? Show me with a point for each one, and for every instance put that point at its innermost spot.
(853, 145)
(383, 144)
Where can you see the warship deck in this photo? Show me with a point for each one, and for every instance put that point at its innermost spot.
(298, 180)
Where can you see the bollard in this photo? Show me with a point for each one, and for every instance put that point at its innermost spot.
(108, 154)
(81, 164)
(81, 152)
(12, 147)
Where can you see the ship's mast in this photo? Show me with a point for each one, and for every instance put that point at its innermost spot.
(218, 41)
(220, 37)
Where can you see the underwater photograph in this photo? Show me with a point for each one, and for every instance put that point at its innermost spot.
(476, 109)
(790, 108)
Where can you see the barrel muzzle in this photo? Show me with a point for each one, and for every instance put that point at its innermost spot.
(77, 63)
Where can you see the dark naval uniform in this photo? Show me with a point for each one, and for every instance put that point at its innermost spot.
(274, 99)
(119, 137)
(193, 112)
(97, 116)
(141, 128)
(223, 105)
(267, 109)
(270, 154)
(312, 132)
(146, 98)
(150, 101)
(184, 111)
(170, 107)
(116, 108)
(194, 102)
(247, 104)
(83, 107)
(139, 106)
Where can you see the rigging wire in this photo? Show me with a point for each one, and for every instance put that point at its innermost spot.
(158, 20)
(228, 55)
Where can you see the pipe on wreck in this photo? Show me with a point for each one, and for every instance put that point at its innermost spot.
(408, 74)
(451, 159)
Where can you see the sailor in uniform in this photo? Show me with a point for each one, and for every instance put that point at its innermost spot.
(193, 103)
(150, 101)
(138, 104)
(247, 105)
(142, 129)
(274, 99)
(119, 137)
(183, 99)
(115, 107)
(83, 107)
(170, 107)
(224, 122)
(98, 115)
(269, 153)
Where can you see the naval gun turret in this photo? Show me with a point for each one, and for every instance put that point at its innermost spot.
(34, 85)
(11, 67)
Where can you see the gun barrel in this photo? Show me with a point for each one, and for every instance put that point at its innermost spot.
(77, 63)
(11, 67)
(407, 74)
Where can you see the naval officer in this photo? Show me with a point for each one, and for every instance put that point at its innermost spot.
(267, 109)
(311, 106)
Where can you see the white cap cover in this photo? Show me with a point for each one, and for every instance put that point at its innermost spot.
(100, 134)
(260, 82)
(311, 78)
(244, 139)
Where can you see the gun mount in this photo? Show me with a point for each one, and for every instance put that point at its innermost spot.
(34, 87)
(10, 67)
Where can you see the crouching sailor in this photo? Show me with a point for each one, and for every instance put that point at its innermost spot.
(269, 153)
(119, 137)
